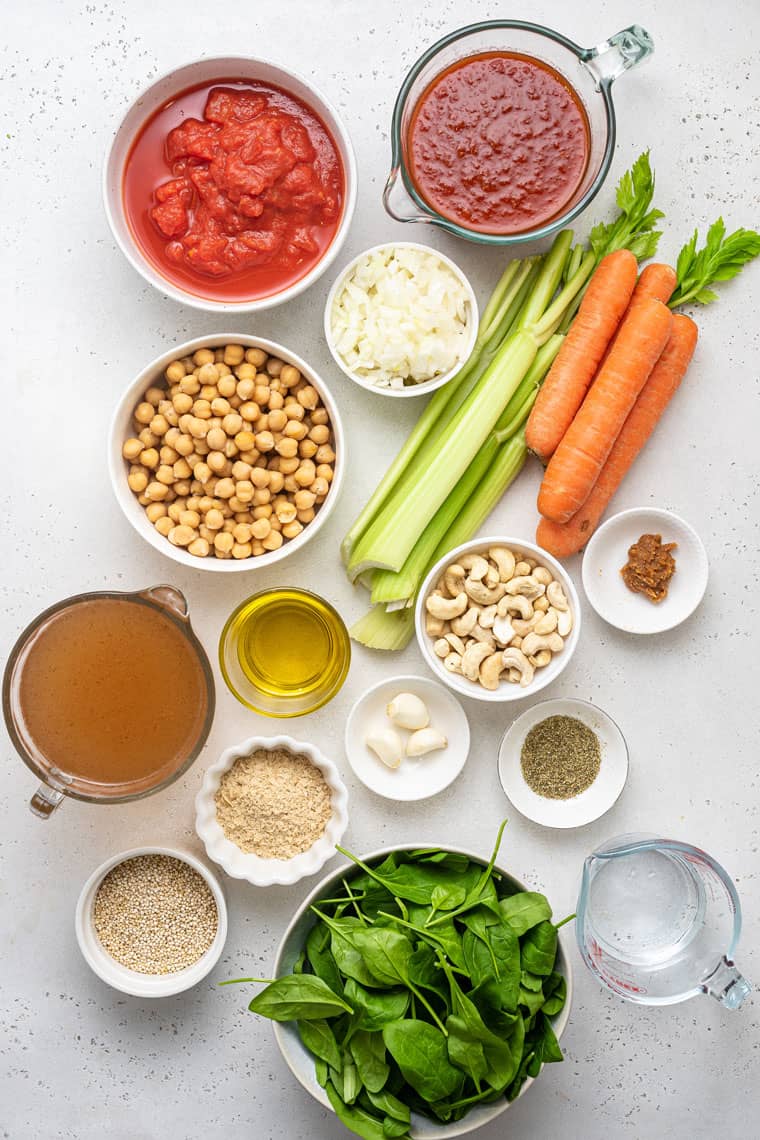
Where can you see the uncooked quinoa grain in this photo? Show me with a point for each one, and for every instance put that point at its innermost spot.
(155, 914)
(273, 804)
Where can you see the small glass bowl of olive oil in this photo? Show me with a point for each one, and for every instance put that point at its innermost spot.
(284, 652)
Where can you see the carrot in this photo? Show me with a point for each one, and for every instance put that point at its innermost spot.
(656, 280)
(564, 539)
(562, 392)
(577, 462)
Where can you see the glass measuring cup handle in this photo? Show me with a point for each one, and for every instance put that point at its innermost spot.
(398, 203)
(44, 801)
(168, 598)
(727, 985)
(619, 53)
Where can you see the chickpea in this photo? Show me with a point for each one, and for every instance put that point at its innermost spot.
(147, 438)
(259, 477)
(163, 525)
(172, 418)
(291, 529)
(304, 499)
(307, 449)
(224, 542)
(202, 410)
(156, 492)
(198, 428)
(184, 445)
(144, 412)
(252, 457)
(181, 487)
(273, 541)
(231, 449)
(261, 495)
(276, 482)
(182, 469)
(276, 401)
(264, 441)
(290, 484)
(320, 487)
(234, 354)
(225, 489)
(202, 472)
(262, 424)
(241, 470)
(320, 433)
(277, 420)
(325, 454)
(214, 519)
(294, 411)
(226, 386)
(306, 516)
(242, 533)
(289, 375)
(232, 423)
(149, 458)
(308, 397)
(159, 425)
(201, 447)
(285, 512)
(306, 473)
(245, 440)
(250, 411)
(208, 392)
(175, 372)
(220, 406)
(241, 550)
(203, 356)
(189, 386)
(229, 525)
(190, 518)
(295, 430)
(131, 449)
(262, 511)
(207, 373)
(165, 475)
(168, 455)
(175, 510)
(204, 532)
(325, 471)
(244, 491)
(260, 528)
(217, 461)
(199, 547)
(287, 448)
(216, 438)
(235, 402)
(261, 395)
(319, 416)
(181, 535)
(137, 481)
(193, 503)
(275, 523)
(255, 356)
(172, 436)
(289, 465)
(246, 388)
(246, 371)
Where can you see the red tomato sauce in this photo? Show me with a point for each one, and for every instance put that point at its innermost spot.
(498, 143)
(234, 191)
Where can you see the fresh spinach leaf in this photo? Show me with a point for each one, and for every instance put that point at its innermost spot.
(390, 1105)
(368, 1052)
(555, 990)
(538, 949)
(419, 1050)
(320, 957)
(376, 1007)
(525, 910)
(298, 997)
(319, 1039)
(356, 1119)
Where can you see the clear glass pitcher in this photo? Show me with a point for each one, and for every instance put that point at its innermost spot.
(658, 922)
(590, 71)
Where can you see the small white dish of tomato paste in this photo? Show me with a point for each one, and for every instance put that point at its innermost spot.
(188, 160)
(607, 554)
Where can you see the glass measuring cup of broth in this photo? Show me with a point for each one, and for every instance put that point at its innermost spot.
(503, 131)
(108, 697)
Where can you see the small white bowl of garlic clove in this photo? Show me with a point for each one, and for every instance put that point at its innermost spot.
(407, 738)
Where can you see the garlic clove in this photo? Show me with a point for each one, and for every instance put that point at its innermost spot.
(425, 740)
(387, 746)
(407, 710)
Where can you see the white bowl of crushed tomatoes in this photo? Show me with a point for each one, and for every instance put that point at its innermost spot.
(230, 184)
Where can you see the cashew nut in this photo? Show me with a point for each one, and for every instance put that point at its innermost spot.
(541, 659)
(541, 603)
(491, 670)
(564, 622)
(481, 594)
(516, 642)
(446, 608)
(441, 647)
(514, 675)
(487, 617)
(556, 596)
(453, 579)
(503, 630)
(541, 574)
(522, 568)
(525, 585)
(476, 564)
(522, 628)
(433, 625)
(462, 626)
(532, 642)
(453, 663)
(545, 623)
(474, 655)
(517, 605)
(455, 642)
(485, 635)
(516, 659)
(492, 577)
(505, 561)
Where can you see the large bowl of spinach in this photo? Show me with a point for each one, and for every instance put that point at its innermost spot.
(419, 992)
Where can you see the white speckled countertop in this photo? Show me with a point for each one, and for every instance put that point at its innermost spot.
(80, 1061)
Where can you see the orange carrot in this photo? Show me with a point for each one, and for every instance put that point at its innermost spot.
(564, 539)
(577, 462)
(656, 280)
(598, 317)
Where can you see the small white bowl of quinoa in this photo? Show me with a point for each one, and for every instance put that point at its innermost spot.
(152, 921)
(271, 810)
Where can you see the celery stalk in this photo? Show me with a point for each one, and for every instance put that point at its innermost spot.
(381, 629)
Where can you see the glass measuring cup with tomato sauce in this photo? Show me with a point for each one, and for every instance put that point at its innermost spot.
(504, 131)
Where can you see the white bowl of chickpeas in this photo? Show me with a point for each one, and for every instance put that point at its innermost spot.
(226, 453)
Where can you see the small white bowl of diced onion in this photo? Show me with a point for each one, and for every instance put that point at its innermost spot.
(401, 319)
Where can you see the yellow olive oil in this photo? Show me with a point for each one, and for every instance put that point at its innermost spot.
(284, 652)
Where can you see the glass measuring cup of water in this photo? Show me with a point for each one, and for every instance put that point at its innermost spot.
(658, 922)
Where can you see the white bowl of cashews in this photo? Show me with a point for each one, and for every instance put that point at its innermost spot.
(498, 619)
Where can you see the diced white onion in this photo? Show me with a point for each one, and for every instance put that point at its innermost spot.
(400, 318)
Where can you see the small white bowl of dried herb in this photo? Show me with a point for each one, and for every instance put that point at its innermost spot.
(271, 810)
(563, 763)
(151, 922)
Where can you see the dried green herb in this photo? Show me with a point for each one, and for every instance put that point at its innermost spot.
(560, 757)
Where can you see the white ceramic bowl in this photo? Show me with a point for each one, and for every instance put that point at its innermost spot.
(589, 805)
(132, 981)
(417, 777)
(426, 386)
(121, 429)
(252, 868)
(506, 690)
(301, 1062)
(170, 85)
(607, 553)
